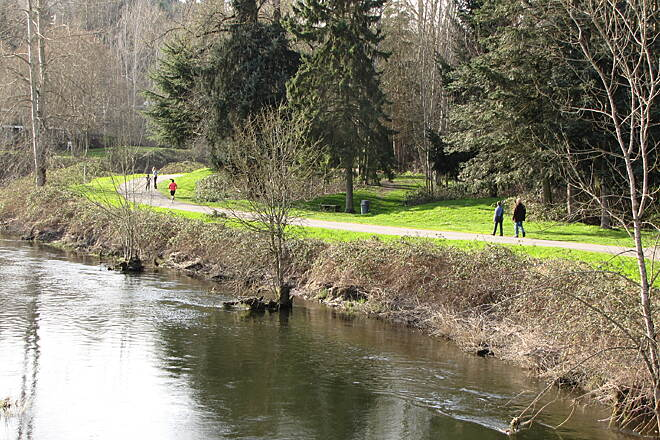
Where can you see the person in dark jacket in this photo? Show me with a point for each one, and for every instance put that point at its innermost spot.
(498, 218)
(519, 214)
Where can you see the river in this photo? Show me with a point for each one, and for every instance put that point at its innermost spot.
(95, 354)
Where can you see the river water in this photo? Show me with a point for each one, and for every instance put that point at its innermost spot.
(95, 354)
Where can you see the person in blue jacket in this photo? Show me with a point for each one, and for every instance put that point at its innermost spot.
(498, 218)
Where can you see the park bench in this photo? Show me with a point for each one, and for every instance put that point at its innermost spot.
(331, 208)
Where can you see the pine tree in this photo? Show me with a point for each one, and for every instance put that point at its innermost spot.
(172, 114)
(499, 115)
(247, 73)
(337, 88)
(207, 90)
(510, 99)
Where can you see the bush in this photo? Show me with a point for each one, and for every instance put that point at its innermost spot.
(455, 191)
(130, 159)
(15, 163)
(537, 211)
(212, 188)
(187, 166)
(79, 172)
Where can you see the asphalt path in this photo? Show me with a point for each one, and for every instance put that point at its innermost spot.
(136, 191)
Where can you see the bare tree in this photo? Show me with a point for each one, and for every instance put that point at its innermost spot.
(36, 58)
(618, 44)
(419, 34)
(136, 44)
(121, 203)
(273, 168)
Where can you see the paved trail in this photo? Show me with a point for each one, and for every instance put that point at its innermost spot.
(155, 198)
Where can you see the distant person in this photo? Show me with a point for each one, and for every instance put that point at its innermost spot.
(172, 188)
(148, 179)
(519, 214)
(155, 173)
(498, 218)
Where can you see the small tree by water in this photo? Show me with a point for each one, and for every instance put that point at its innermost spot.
(273, 167)
(612, 55)
(122, 205)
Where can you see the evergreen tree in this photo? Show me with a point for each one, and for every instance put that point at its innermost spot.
(443, 162)
(210, 90)
(247, 72)
(511, 97)
(500, 114)
(172, 111)
(337, 87)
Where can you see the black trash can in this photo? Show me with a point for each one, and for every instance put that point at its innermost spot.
(364, 207)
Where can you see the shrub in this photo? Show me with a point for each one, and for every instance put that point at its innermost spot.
(455, 191)
(537, 211)
(212, 188)
(187, 166)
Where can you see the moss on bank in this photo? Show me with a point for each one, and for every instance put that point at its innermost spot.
(558, 318)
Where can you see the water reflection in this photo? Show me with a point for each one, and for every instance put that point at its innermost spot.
(102, 355)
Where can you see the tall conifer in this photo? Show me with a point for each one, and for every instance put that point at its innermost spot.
(337, 87)
(247, 72)
(172, 114)
(211, 89)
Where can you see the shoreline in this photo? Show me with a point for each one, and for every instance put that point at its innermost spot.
(489, 302)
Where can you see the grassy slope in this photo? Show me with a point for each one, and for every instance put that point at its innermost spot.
(466, 215)
(103, 190)
(186, 185)
(624, 265)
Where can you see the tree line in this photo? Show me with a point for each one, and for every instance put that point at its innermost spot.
(493, 93)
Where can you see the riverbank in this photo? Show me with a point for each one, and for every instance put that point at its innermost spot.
(117, 341)
(559, 319)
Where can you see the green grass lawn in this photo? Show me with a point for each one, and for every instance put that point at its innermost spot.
(465, 215)
(103, 190)
(186, 186)
(598, 261)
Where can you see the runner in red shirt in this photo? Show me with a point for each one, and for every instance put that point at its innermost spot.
(172, 188)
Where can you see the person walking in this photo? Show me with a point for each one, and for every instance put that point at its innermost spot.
(498, 218)
(172, 188)
(519, 214)
(155, 173)
(148, 180)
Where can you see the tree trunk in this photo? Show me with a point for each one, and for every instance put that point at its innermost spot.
(570, 210)
(363, 168)
(605, 221)
(429, 172)
(547, 191)
(647, 309)
(494, 190)
(604, 214)
(277, 11)
(37, 78)
(349, 185)
(284, 296)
